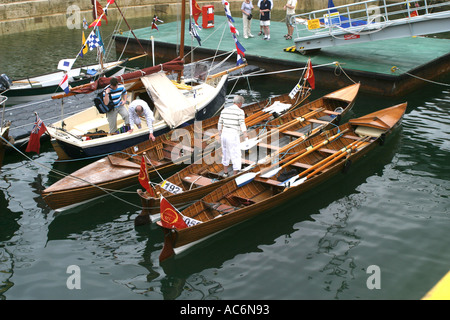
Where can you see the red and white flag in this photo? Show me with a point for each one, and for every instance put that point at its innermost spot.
(34, 144)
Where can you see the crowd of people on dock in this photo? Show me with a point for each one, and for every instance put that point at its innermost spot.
(265, 7)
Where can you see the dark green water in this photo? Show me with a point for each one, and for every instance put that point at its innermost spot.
(390, 210)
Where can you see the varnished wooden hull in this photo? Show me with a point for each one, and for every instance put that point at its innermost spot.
(343, 98)
(121, 170)
(261, 195)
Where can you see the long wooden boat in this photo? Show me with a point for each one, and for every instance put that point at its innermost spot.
(199, 179)
(168, 152)
(316, 161)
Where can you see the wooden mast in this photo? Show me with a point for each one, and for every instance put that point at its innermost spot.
(183, 14)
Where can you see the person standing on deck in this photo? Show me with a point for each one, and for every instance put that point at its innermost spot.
(290, 11)
(261, 31)
(246, 8)
(264, 9)
(118, 94)
(136, 110)
(231, 124)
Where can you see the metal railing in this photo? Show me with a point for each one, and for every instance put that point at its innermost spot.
(366, 15)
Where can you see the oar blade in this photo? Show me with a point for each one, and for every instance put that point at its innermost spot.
(245, 178)
(271, 173)
(248, 144)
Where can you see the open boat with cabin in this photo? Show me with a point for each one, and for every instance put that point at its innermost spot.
(314, 161)
(168, 152)
(202, 177)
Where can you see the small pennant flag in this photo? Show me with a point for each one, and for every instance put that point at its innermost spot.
(93, 41)
(309, 76)
(240, 60)
(64, 84)
(34, 144)
(83, 50)
(194, 33)
(144, 179)
(66, 64)
(227, 10)
(172, 218)
(240, 49)
(196, 11)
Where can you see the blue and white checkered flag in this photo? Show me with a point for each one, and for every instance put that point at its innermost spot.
(93, 41)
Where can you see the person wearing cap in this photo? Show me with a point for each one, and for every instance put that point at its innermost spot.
(137, 109)
(230, 126)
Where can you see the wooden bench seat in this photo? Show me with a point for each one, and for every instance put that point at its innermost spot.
(199, 181)
(271, 182)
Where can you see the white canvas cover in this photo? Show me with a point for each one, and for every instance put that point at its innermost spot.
(173, 106)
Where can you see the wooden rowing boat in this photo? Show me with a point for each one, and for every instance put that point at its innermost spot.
(316, 161)
(168, 152)
(202, 177)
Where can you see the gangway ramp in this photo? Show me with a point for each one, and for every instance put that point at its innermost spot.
(369, 21)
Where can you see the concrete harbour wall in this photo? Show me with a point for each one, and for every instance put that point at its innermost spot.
(19, 16)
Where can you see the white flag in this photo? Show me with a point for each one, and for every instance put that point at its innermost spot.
(66, 64)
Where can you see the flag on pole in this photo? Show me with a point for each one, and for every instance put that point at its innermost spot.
(99, 13)
(196, 11)
(309, 76)
(194, 33)
(93, 41)
(144, 179)
(172, 218)
(66, 64)
(226, 6)
(34, 144)
(64, 84)
(295, 90)
(99, 37)
(84, 49)
(240, 49)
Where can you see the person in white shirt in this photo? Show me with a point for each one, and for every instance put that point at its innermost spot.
(137, 109)
(231, 124)
(290, 11)
(246, 8)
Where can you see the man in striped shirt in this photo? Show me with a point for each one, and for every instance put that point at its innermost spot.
(118, 94)
(231, 125)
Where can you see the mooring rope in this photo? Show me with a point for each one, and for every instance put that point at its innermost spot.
(60, 173)
(395, 68)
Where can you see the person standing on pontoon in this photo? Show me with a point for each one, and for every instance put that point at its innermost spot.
(290, 11)
(118, 94)
(231, 124)
(246, 8)
(136, 110)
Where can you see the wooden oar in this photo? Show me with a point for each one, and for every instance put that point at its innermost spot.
(321, 165)
(268, 172)
(305, 152)
(252, 142)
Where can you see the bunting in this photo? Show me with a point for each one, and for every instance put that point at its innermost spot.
(234, 32)
(193, 31)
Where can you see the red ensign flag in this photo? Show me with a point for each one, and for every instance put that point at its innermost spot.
(144, 179)
(34, 144)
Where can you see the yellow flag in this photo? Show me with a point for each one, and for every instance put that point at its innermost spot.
(85, 47)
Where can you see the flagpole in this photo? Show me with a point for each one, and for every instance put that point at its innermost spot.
(183, 13)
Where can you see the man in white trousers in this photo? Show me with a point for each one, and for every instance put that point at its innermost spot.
(137, 109)
(231, 125)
